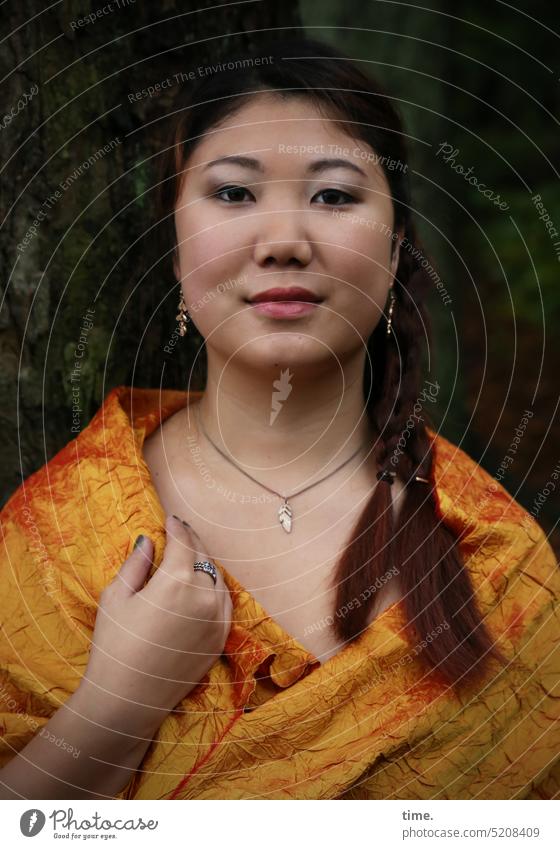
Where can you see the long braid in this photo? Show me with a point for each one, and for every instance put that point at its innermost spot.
(437, 593)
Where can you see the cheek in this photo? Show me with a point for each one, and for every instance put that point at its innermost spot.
(361, 258)
(206, 262)
(207, 253)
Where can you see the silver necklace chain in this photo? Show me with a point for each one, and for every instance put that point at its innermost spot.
(285, 513)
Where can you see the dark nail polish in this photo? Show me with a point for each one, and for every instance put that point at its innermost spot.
(138, 540)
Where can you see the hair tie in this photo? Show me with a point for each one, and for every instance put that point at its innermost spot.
(386, 475)
(389, 476)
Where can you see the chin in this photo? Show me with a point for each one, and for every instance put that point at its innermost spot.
(283, 349)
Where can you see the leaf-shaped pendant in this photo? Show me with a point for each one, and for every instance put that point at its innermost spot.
(285, 517)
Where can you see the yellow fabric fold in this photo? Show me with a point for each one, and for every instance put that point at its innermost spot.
(268, 720)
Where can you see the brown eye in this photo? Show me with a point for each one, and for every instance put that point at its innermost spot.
(337, 192)
(228, 189)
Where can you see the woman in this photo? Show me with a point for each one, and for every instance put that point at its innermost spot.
(340, 602)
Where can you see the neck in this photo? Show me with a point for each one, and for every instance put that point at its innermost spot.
(285, 428)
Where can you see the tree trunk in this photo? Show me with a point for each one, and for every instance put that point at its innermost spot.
(76, 152)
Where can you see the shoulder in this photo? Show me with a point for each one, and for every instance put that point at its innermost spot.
(74, 502)
(464, 490)
(166, 447)
(514, 568)
(55, 474)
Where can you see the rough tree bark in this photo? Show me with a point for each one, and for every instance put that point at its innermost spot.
(75, 153)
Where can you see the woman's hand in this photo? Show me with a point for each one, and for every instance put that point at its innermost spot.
(153, 644)
(150, 647)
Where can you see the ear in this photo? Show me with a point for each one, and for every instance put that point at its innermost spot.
(396, 250)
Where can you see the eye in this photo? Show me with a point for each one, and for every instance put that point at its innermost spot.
(346, 197)
(227, 189)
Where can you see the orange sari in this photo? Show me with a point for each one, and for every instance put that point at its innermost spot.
(268, 720)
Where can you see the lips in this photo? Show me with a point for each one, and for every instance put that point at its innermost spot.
(294, 293)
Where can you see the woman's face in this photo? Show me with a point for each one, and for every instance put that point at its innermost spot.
(284, 217)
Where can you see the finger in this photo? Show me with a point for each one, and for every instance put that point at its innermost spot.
(202, 554)
(133, 573)
(181, 551)
(197, 539)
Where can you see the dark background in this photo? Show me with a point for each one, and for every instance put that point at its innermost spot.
(482, 76)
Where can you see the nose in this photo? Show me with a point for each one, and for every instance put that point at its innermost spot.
(282, 240)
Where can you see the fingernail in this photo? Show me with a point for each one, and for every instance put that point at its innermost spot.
(186, 524)
(139, 540)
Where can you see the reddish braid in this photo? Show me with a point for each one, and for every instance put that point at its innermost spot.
(436, 588)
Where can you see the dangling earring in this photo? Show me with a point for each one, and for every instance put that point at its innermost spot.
(182, 316)
(391, 307)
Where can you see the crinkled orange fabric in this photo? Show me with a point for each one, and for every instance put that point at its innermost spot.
(268, 720)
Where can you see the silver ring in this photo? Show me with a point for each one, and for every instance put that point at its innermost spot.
(206, 566)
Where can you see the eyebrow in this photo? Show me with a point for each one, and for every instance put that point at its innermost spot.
(316, 167)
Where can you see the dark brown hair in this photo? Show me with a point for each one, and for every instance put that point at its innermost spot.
(438, 597)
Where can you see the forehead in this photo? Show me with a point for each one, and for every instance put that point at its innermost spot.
(279, 115)
(284, 133)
